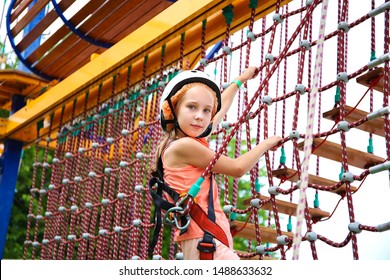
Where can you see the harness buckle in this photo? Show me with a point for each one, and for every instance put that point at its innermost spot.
(207, 246)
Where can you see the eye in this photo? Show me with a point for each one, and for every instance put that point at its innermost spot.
(191, 107)
(207, 111)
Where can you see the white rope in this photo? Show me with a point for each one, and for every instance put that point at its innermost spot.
(308, 146)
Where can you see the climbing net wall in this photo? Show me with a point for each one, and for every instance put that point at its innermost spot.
(90, 200)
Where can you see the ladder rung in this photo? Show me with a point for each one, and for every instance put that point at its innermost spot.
(292, 175)
(375, 126)
(249, 232)
(369, 77)
(289, 208)
(265, 258)
(333, 151)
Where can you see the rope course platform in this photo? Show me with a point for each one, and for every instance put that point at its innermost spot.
(331, 150)
(374, 76)
(96, 129)
(21, 83)
(374, 126)
(292, 175)
(95, 27)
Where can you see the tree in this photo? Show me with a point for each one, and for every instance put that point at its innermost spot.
(18, 223)
(7, 59)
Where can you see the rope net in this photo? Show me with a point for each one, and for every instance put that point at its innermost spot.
(90, 199)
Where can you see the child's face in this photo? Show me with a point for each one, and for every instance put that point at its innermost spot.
(194, 110)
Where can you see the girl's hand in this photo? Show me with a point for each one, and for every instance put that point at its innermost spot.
(273, 142)
(249, 73)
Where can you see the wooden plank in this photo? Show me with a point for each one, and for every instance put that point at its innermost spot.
(65, 55)
(73, 50)
(57, 62)
(375, 126)
(265, 258)
(139, 19)
(124, 16)
(29, 16)
(20, 5)
(371, 76)
(19, 82)
(289, 208)
(249, 232)
(333, 151)
(292, 175)
(215, 32)
(34, 33)
(61, 33)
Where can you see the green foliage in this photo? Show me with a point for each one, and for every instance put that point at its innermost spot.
(16, 235)
(10, 61)
(18, 223)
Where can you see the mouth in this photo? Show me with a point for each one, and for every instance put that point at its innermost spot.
(196, 126)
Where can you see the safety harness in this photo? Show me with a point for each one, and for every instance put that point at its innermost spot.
(181, 218)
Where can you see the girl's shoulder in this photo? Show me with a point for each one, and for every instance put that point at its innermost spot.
(187, 151)
(183, 141)
(186, 144)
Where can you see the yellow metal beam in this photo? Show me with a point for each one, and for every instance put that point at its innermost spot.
(165, 29)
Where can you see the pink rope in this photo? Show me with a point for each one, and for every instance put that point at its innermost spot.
(302, 203)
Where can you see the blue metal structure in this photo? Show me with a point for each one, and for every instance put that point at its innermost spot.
(214, 50)
(9, 168)
(10, 159)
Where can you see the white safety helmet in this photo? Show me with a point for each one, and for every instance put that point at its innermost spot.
(174, 85)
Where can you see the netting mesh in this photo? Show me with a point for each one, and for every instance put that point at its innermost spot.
(90, 201)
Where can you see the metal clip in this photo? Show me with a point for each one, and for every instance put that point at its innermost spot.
(173, 215)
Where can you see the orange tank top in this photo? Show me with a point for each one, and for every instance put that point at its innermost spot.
(181, 179)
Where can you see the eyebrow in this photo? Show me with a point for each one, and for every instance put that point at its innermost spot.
(197, 103)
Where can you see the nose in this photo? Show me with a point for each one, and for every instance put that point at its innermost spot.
(198, 116)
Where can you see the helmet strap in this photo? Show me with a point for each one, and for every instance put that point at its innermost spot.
(207, 131)
(172, 109)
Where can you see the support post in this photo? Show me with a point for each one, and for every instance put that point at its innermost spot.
(9, 168)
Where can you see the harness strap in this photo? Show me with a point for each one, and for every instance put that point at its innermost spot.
(161, 203)
(201, 219)
(206, 222)
(206, 246)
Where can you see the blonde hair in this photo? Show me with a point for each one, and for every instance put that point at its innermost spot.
(171, 132)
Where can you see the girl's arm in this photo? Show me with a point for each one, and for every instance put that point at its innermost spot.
(187, 151)
(229, 93)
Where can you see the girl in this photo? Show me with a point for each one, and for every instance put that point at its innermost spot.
(191, 108)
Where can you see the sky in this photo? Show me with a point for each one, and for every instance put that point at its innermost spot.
(371, 202)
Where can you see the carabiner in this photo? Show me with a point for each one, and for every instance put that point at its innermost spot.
(185, 226)
(167, 219)
(176, 212)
